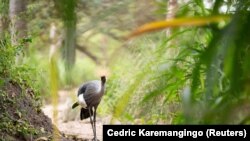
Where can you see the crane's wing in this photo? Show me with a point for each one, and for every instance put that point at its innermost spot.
(93, 87)
(88, 94)
(82, 89)
(92, 94)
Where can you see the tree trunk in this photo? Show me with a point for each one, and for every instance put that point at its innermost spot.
(66, 11)
(171, 10)
(4, 20)
(69, 43)
(18, 26)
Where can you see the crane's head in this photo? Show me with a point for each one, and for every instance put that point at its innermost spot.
(103, 79)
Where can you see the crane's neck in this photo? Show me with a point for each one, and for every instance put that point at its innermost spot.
(102, 88)
(103, 81)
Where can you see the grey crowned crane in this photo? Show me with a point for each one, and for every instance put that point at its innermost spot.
(89, 96)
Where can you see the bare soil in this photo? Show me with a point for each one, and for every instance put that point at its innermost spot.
(21, 117)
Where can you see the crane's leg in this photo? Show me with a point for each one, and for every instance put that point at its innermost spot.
(95, 137)
(91, 121)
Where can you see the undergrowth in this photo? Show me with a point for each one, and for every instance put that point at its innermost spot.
(23, 77)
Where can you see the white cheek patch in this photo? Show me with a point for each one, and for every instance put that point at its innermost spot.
(82, 101)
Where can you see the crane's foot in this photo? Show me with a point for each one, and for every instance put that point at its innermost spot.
(95, 139)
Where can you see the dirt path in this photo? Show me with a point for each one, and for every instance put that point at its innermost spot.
(68, 121)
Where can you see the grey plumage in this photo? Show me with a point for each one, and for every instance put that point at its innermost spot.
(92, 92)
(89, 97)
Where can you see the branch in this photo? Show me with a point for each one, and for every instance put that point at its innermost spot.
(112, 35)
(86, 52)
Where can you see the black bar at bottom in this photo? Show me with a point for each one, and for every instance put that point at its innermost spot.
(175, 132)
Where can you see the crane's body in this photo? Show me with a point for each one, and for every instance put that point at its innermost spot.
(89, 96)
